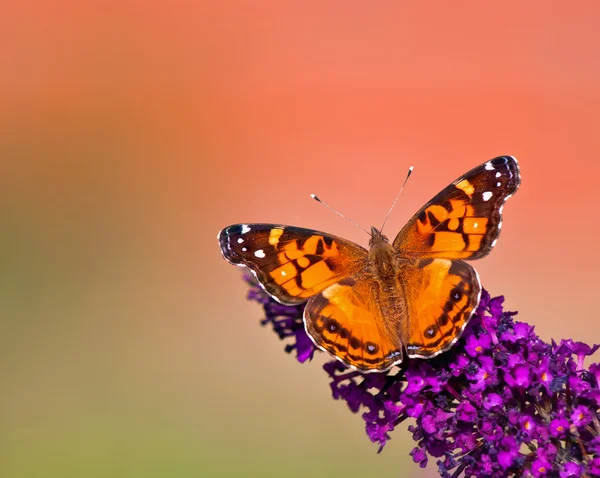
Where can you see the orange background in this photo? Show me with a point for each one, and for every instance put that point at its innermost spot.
(131, 133)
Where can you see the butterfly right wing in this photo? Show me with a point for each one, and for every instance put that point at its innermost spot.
(292, 264)
(345, 320)
(441, 297)
(463, 221)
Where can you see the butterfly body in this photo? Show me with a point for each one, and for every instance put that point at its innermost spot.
(385, 266)
(414, 296)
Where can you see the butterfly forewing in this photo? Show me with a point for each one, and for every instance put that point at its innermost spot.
(464, 220)
(291, 263)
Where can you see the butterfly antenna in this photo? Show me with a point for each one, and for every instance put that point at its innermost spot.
(410, 170)
(338, 213)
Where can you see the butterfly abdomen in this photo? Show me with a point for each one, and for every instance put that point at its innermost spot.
(384, 267)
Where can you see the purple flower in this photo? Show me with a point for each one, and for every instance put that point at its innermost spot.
(577, 385)
(581, 416)
(546, 377)
(594, 466)
(595, 370)
(419, 456)
(570, 470)
(547, 452)
(501, 402)
(415, 381)
(482, 374)
(580, 349)
(594, 445)
(304, 346)
(478, 345)
(379, 433)
(413, 407)
(466, 412)
(520, 332)
(459, 365)
(541, 468)
(493, 401)
(559, 427)
(494, 305)
(527, 425)
(509, 452)
(519, 377)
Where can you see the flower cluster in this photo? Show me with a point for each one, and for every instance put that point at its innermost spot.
(501, 402)
(286, 321)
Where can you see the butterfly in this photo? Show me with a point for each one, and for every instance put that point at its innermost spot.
(413, 297)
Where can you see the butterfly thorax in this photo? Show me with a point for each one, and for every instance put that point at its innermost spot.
(382, 256)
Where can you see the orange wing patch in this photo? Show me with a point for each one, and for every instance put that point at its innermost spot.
(441, 296)
(291, 263)
(345, 321)
(464, 220)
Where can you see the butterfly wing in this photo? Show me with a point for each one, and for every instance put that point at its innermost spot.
(292, 264)
(441, 297)
(345, 320)
(464, 220)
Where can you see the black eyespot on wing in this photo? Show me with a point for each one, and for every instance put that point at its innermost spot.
(430, 332)
(371, 348)
(456, 294)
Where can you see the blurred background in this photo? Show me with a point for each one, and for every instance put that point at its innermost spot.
(132, 132)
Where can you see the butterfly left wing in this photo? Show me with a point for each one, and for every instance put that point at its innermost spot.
(441, 296)
(345, 320)
(464, 220)
(291, 263)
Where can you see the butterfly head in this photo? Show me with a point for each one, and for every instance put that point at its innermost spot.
(377, 237)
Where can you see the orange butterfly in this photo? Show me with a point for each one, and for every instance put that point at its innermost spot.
(414, 296)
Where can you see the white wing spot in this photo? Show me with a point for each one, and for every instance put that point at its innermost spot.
(494, 242)
(244, 249)
(475, 225)
(240, 240)
(500, 210)
(487, 195)
(283, 273)
(500, 225)
(260, 253)
(245, 228)
(498, 174)
(489, 166)
(498, 184)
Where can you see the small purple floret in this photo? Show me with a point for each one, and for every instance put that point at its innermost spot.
(571, 470)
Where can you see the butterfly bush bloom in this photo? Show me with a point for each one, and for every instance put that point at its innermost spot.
(501, 402)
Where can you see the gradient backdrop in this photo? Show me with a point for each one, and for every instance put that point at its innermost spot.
(131, 133)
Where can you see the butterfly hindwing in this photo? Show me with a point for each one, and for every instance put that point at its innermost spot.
(464, 220)
(291, 263)
(345, 320)
(441, 297)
